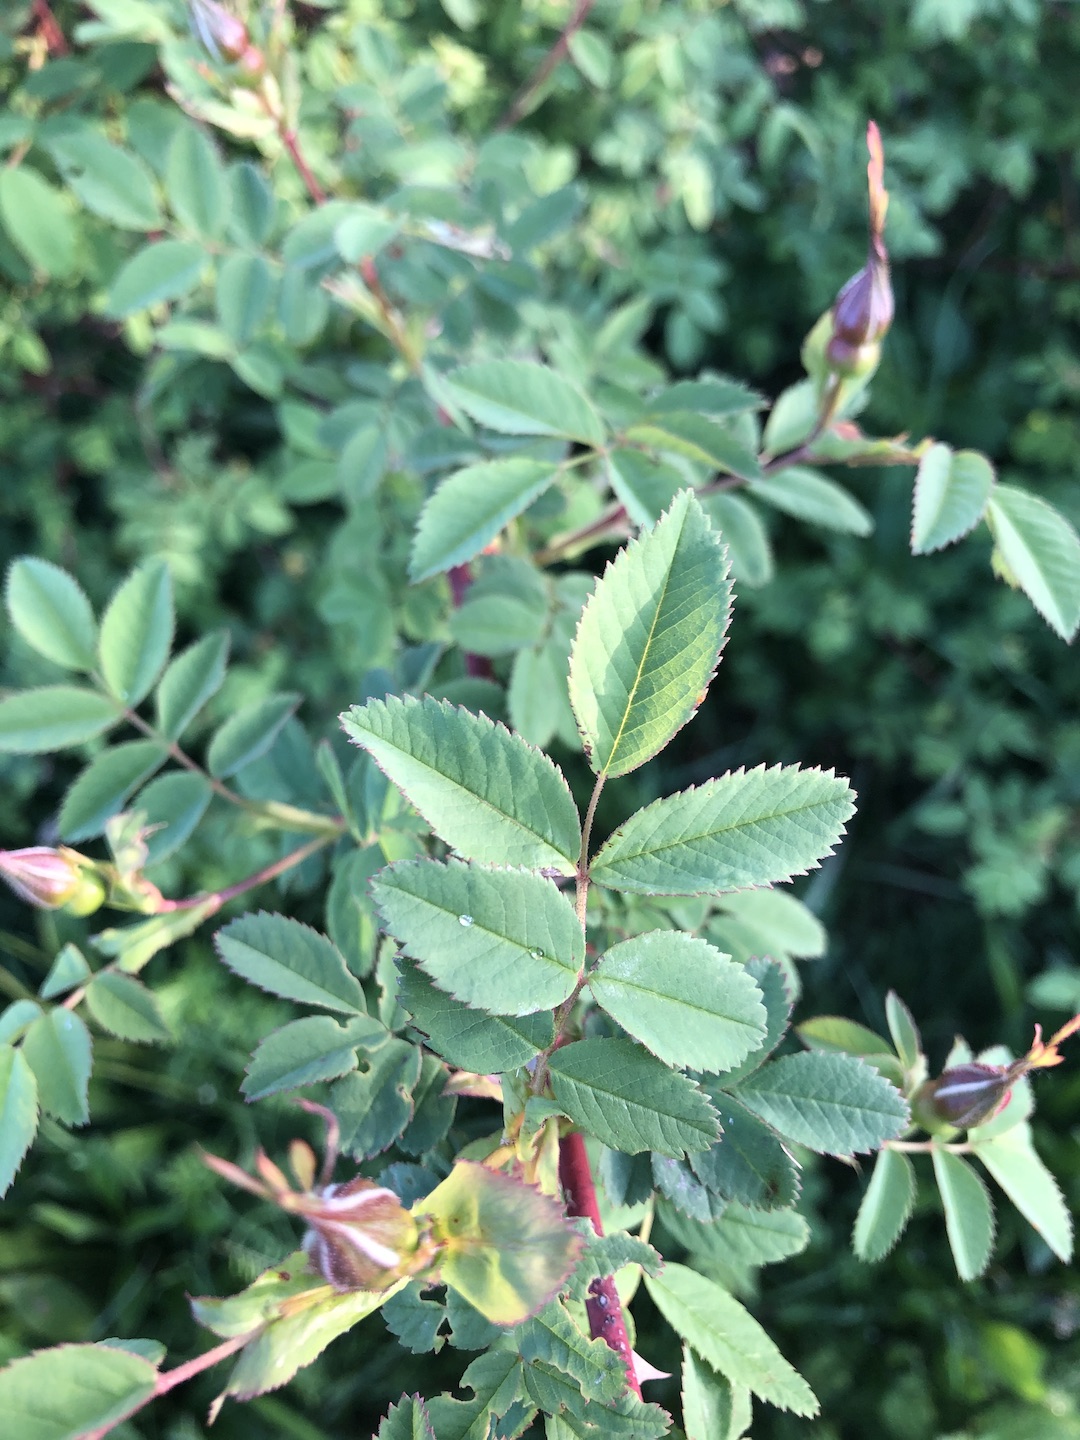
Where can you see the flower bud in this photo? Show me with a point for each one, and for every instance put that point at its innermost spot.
(964, 1095)
(864, 308)
(53, 879)
(223, 34)
(360, 1236)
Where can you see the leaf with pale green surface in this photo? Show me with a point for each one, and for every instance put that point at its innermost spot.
(1013, 1162)
(469, 1039)
(773, 922)
(109, 180)
(682, 998)
(648, 640)
(487, 793)
(520, 397)
(886, 1207)
(629, 1100)
(713, 1408)
(969, 1215)
(710, 395)
(137, 631)
(771, 981)
(496, 1382)
(71, 1390)
(746, 1235)
(38, 221)
(162, 270)
(307, 1050)
(291, 960)
(471, 507)
(697, 438)
(18, 1112)
(508, 1248)
(124, 1007)
(904, 1031)
(16, 1019)
(644, 485)
(745, 537)
(728, 1338)
(745, 828)
(57, 1048)
(554, 1338)
(99, 792)
(1040, 552)
(49, 610)
(192, 678)
(505, 941)
(196, 183)
(248, 734)
(244, 294)
(952, 489)
(806, 495)
(68, 970)
(172, 806)
(53, 717)
(833, 1104)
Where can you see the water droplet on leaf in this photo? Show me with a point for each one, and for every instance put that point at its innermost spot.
(465, 920)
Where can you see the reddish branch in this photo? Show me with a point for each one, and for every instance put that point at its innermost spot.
(460, 579)
(49, 27)
(519, 106)
(603, 1305)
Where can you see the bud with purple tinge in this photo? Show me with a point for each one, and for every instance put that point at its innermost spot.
(225, 36)
(863, 310)
(964, 1095)
(359, 1236)
(53, 879)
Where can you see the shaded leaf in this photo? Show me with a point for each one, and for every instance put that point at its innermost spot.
(806, 495)
(164, 270)
(469, 1039)
(39, 223)
(196, 183)
(191, 679)
(18, 1116)
(124, 1007)
(305, 1051)
(109, 180)
(57, 1049)
(697, 438)
(375, 1103)
(172, 806)
(713, 1408)
(1013, 1162)
(65, 1392)
(248, 734)
(99, 792)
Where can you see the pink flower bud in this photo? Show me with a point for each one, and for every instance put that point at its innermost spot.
(223, 34)
(53, 879)
(360, 1236)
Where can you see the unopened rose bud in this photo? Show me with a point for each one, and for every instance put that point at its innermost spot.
(864, 308)
(964, 1095)
(223, 34)
(359, 1236)
(53, 879)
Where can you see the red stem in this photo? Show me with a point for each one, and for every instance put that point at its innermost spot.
(303, 169)
(520, 102)
(461, 578)
(54, 37)
(269, 872)
(603, 1306)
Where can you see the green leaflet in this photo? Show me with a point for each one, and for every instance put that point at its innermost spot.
(833, 1104)
(484, 791)
(248, 734)
(1037, 549)
(136, 632)
(806, 495)
(710, 395)
(886, 1207)
(770, 980)
(244, 294)
(745, 828)
(553, 1337)
(407, 1420)
(496, 1382)
(191, 679)
(969, 1215)
(49, 610)
(173, 805)
(57, 1048)
(519, 397)
(291, 960)
(698, 438)
(38, 220)
(746, 1236)
(68, 970)
(54, 717)
(904, 1031)
(505, 941)
(375, 1104)
(313, 1048)
(70, 1390)
(162, 270)
(748, 1164)
(18, 1116)
(471, 506)
(682, 998)
(124, 1007)
(952, 489)
(727, 1336)
(1013, 1162)
(110, 181)
(469, 1039)
(649, 639)
(196, 183)
(630, 1100)
(713, 1408)
(745, 537)
(99, 791)
(645, 486)
(772, 922)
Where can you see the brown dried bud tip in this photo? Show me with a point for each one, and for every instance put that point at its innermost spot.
(53, 879)
(224, 35)
(360, 1236)
(864, 308)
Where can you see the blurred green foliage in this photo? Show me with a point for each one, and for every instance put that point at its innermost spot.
(704, 163)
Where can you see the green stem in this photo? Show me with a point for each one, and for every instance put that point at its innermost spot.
(927, 1147)
(260, 877)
